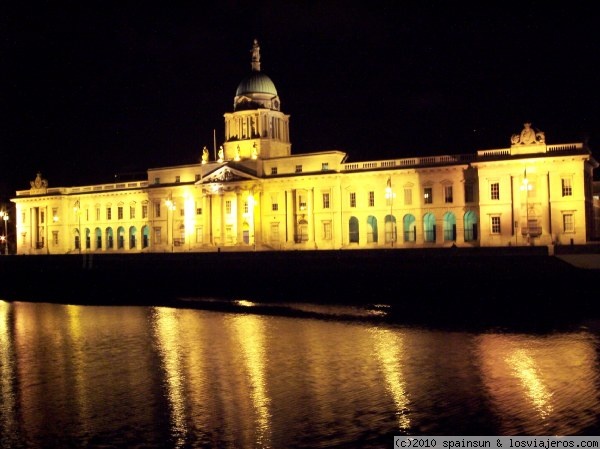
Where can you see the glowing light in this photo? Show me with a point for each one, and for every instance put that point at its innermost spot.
(389, 349)
(244, 303)
(7, 370)
(166, 330)
(251, 339)
(525, 370)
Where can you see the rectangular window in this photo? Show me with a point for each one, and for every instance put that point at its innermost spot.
(55, 214)
(568, 224)
(144, 211)
(407, 196)
(132, 212)
(273, 170)
(352, 199)
(495, 190)
(298, 168)
(199, 235)
(274, 207)
(469, 192)
(119, 212)
(302, 202)
(327, 230)
(157, 210)
(326, 201)
(371, 198)
(177, 178)
(228, 207)
(156, 180)
(495, 225)
(55, 237)
(448, 194)
(42, 217)
(428, 195)
(324, 166)
(157, 236)
(97, 214)
(108, 213)
(567, 189)
(246, 209)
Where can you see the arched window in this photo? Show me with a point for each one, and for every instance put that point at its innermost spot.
(390, 229)
(371, 229)
(353, 230)
(470, 226)
(120, 238)
(109, 238)
(409, 228)
(132, 237)
(429, 227)
(449, 227)
(98, 238)
(145, 237)
(77, 239)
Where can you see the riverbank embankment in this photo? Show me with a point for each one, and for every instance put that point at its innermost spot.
(426, 282)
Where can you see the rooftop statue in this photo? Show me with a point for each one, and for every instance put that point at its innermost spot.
(528, 136)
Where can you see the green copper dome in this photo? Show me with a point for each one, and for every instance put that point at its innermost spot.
(257, 83)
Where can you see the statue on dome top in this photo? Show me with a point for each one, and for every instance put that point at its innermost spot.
(255, 56)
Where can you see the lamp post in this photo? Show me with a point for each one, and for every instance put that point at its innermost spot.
(4, 216)
(170, 208)
(389, 196)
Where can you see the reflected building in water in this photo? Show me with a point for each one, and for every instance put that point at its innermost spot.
(98, 376)
(255, 194)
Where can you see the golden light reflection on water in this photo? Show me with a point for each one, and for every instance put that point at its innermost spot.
(542, 385)
(389, 349)
(7, 374)
(78, 361)
(251, 338)
(166, 331)
(525, 369)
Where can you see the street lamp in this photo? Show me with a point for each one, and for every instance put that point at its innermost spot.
(170, 208)
(4, 216)
(389, 196)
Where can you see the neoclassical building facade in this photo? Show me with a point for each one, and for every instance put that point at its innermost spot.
(254, 194)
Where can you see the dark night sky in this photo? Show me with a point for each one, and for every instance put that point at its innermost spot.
(91, 89)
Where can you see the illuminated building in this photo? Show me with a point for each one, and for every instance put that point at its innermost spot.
(256, 195)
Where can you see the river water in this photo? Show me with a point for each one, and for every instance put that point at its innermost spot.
(144, 377)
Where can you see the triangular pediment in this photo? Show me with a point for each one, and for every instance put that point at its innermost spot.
(226, 174)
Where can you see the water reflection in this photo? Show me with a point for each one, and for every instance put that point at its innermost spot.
(8, 420)
(84, 376)
(542, 385)
(168, 338)
(78, 354)
(250, 333)
(389, 349)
